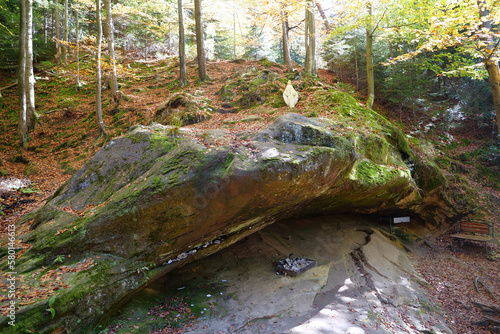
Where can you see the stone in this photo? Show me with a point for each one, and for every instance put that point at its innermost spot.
(154, 200)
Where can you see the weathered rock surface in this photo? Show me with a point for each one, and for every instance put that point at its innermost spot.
(156, 199)
(362, 283)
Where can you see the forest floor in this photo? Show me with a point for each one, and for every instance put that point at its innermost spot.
(66, 137)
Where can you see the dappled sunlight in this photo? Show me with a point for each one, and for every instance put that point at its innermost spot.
(404, 281)
(329, 321)
(346, 285)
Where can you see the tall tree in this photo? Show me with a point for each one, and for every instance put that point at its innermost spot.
(77, 28)
(66, 34)
(111, 47)
(323, 17)
(22, 126)
(310, 39)
(285, 16)
(98, 83)
(26, 79)
(287, 61)
(182, 46)
(200, 45)
(369, 16)
(30, 76)
(58, 32)
(370, 79)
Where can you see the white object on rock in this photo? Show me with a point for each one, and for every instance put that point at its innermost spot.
(290, 95)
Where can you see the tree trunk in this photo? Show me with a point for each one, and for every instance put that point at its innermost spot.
(111, 46)
(98, 105)
(310, 38)
(490, 64)
(234, 32)
(58, 33)
(26, 79)
(370, 81)
(287, 61)
(77, 19)
(200, 47)
(31, 116)
(182, 46)
(45, 24)
(22, 127)
(356, 67)
(494, 74)
(65, 48)
(323, 17)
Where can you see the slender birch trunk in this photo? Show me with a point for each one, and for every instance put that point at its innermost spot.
(22, 126)
(26, 80)
(31, 114)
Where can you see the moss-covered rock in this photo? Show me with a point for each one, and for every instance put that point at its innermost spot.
(184, 109)
(155, 199)
(252, 88)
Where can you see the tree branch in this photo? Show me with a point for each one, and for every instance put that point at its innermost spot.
(296, 26)
(9, 86)
(493, 51)
(378, 23)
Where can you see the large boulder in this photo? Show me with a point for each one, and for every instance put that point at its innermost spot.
(155, 199)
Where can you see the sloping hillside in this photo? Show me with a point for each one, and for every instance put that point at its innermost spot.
(242, 97)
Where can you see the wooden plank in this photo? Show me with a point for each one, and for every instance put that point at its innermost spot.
(485, 228)
(476, 227)
(474, 224)
(472, 237)
(477, 230)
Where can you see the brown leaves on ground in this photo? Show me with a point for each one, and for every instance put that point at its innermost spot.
(172, 316)
(451, 279)
(40, 284)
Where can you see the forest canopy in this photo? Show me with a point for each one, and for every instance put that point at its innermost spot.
(395, 53)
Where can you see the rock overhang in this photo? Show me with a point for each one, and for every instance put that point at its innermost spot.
(155, 194)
